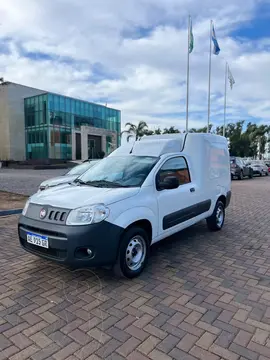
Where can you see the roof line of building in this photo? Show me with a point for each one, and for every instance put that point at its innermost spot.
(53, 93)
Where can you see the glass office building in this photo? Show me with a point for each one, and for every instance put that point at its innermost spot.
(55, 126)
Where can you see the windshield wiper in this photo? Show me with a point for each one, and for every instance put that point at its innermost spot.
(105, 183)
(79, 181)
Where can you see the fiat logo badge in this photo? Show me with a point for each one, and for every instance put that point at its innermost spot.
(42, 213)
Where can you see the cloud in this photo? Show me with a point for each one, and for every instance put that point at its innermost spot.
(132, 54)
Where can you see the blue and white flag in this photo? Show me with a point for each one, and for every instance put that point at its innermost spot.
(216, 48)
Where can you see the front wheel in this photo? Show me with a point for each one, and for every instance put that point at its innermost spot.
(216, 220)
(133, 253)
(241, 176)
(251, 174)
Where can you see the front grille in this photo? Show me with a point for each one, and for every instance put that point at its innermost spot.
(44, 232)
(53, 253)
(57, 215)
(52, 214)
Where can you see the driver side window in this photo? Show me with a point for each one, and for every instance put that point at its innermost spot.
(174, 167)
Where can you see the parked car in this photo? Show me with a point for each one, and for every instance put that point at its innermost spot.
(140, 194)
(240, 168)
(70, 176)
(267, 163)
(259, 168)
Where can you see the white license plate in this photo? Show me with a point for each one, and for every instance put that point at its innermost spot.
(38, 240)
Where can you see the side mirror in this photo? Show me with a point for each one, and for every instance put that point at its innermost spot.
(169, 183)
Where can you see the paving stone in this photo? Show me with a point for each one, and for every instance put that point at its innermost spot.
(168, 344)
(4, 342)
(148, 345)
(187, 342)
(244, 352)
(206, 340)
(128, 346)
(21, 341)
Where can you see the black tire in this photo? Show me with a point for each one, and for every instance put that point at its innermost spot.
(251, 175)
(260, 173)
(241, 176)
(266, 174)
(215, 223)
(133, 237)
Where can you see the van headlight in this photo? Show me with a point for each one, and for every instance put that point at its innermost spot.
(26, 207)
(86, 215)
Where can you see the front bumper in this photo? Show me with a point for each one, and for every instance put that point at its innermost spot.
(257, 172)
(235, 173)
(68, 244)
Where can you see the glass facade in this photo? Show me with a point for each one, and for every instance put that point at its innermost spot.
(50, 119)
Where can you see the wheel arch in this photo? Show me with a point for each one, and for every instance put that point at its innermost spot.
(140, 216)
(223, 199)
(145, 225)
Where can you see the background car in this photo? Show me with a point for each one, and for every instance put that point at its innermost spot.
(259, 168)
(240, 168)
(70, 176)
(267, 163)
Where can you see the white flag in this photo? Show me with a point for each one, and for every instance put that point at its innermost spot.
(231, 79)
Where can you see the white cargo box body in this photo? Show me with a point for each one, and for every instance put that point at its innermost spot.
(141, 193)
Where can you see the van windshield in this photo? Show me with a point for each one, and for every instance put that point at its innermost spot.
(119, 171)
(80, 169)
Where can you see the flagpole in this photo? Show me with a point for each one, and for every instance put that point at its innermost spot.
(225, 97)
(209, 79)
(187, 97)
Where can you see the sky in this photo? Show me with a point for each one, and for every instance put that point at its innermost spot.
(132, 55)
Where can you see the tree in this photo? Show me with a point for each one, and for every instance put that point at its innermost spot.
(171, 130)
(250, 142)
(136, 131)
(157, 131)
(201, 130)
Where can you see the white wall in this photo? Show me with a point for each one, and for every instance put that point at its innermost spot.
(16, 95)
(4, 124)
(12, 127)
(85, 130)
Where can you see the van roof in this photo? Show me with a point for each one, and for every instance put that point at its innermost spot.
(157, 145)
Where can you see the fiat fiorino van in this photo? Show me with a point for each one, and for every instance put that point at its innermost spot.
(141, 193)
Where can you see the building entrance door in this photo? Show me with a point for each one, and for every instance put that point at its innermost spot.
(78, 146)
(94, 146)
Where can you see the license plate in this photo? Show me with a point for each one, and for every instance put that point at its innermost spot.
(37, 240)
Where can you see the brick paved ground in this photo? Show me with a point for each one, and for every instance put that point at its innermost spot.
(204, 296)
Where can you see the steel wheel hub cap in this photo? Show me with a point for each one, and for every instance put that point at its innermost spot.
(135, 252)
(220, 216)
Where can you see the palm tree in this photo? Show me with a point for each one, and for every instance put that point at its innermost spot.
(136, 131)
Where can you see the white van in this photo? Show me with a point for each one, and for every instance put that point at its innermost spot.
(140, 194)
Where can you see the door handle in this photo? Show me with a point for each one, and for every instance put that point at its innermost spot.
(192, 189)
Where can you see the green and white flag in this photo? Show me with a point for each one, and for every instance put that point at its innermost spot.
(191, 38)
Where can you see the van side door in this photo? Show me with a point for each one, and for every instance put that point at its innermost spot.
(180, 207)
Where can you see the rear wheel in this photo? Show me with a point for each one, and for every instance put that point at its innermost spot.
(133, 253)
(216, 220)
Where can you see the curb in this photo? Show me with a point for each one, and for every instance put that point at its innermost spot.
(10, 212)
